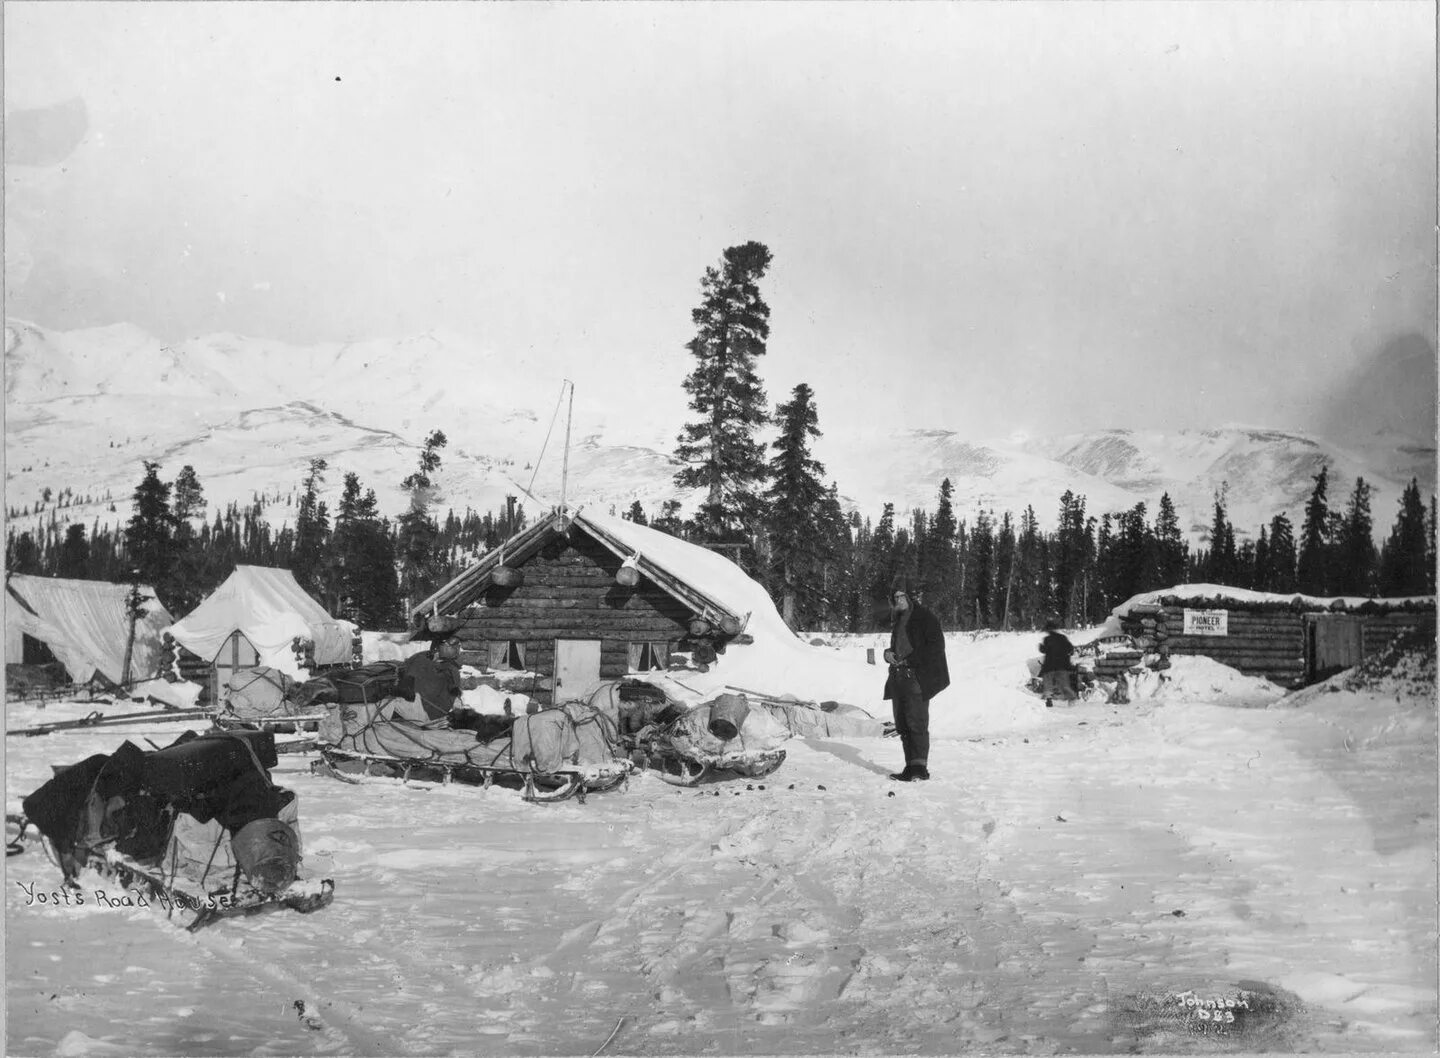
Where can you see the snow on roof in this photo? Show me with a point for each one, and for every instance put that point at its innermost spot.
(778, 662)
(271, 609)
(1211, 594)
(1245, 597)
(85, 625)
(708, 572)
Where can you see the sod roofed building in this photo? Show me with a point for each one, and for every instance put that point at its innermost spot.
(579, 598)
(1291, 640)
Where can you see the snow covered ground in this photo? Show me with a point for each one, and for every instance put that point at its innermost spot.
(1063, 882)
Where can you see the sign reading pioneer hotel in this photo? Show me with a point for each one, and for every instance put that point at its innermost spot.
(1207, 622)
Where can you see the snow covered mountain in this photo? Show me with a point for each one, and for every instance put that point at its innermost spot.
(85, 408)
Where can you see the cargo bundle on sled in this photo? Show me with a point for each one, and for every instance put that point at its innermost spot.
(266, 699)
(198, 827)
(570, 750)
(686, 744)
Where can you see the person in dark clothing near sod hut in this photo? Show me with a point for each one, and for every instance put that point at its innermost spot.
(918, 672)
(1057, 669)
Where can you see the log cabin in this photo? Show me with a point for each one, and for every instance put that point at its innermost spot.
(579, 598)
(1291, 640)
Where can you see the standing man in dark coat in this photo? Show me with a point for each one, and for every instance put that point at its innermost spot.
(918, 672)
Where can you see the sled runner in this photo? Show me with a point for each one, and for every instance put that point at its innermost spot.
(552, 755)
(196, 827)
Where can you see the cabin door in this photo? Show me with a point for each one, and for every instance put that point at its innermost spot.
(237, 652)
(1335, 643)
(577, 668)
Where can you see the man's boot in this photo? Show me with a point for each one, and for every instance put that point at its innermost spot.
(910, 774)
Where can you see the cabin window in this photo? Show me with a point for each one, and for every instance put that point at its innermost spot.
(505, 654)
(648, 657)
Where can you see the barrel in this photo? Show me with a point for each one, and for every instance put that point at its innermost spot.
(727, 715)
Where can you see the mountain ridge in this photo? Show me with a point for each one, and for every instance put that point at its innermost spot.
(85, 408)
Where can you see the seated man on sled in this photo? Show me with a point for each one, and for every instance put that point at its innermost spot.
(428, 693)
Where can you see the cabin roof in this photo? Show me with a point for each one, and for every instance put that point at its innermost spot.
(707, 583)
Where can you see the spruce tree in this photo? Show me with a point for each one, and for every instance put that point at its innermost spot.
(365, 589)
(312, 527)
(1312, 573)
(150, 533)
(1403, 562)
(1280, 563)
(1170, 545)
(1005, 554)
(981, 573)
(74, 559)
(882, 562)
(1261, 581)
(1073, 551)
(417, 530)
(636, 514)
(1355, 546)
(1031, 573)
(800, 546)
(940, 564)
(719, 449)
(1222, 566)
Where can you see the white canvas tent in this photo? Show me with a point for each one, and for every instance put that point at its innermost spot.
(85, 625)
(254, 618)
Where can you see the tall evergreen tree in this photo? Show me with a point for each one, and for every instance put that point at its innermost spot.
(1073, 548)
(1312, 572)
(1005, 553)
(1031, 574)
(1403, 562)
(150, 533)
(941, 561)
(883, 565)
(981, 573)
(417, 530)
(800, 547)
(719, 449)
(636, 514)
(1355, 559)
(1170, 547)
(74, 558)
(1262, 562)
(312, 527)
(1280, 564)
(365, 589)
(1222, 566)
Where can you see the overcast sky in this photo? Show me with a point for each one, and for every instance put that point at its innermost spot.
(987, 217)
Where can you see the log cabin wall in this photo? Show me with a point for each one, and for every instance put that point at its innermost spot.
(1378, 631)
(1268, 643)
(1271, 642)
(570, 593)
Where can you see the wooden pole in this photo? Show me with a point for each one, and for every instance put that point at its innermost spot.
(565, 461)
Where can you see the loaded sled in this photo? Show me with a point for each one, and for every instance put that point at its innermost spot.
(197, 827)
(685, 744)
(266, 699)
(568, 751)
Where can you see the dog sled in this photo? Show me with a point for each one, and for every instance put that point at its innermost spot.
(685, 745)
(197, 829)
(571, 750)
(267, 699)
